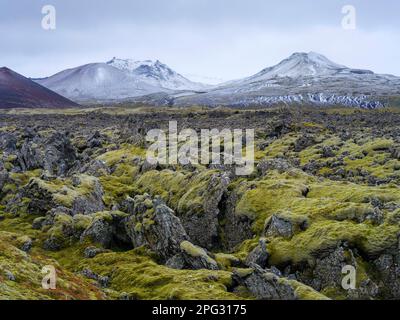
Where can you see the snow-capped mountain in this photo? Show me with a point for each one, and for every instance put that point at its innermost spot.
(117, 80)
(300, 65)
(156, 74)
(303, 78)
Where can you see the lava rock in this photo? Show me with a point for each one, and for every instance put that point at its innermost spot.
(264, 285)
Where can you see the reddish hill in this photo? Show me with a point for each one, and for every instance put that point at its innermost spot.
(16, 91)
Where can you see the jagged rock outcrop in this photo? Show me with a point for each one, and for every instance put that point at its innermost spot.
(90, 202)
(279, 164)
(388, 266)
(105, 229)
(236, 228)
(259, 255)
(35, 197)
(283, 225)
(202, 225)
(197, 258)
(327, 272)
(96, 168)
(4, 176)
(54, 154)
(304, 142)
(8, 142)
(277, 226)
(264, 284)
(153, 224)
(59, 155)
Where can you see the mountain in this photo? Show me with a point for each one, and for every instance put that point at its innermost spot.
(303, 78)
(16, 91)
(156, 74)
(117, 80)
(96, 82)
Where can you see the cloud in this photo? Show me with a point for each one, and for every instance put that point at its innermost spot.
(219, 38)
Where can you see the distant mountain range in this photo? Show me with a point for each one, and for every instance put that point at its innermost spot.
(303, 78)
(16, 91)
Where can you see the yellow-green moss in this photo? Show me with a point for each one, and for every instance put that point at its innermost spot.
(137, 275)
(125, 154)
(27, 268)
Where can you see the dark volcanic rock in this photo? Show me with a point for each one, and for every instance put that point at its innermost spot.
(8, 142)
(91, 202)
(105, 229)
(265, 285)
(155, 225)
(202, 226)
(277, 226)
(259, 255)
(59, 155)
(196, 257)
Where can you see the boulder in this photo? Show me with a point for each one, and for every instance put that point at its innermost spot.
(264, 284)
(8, 142)
(304, 142)
(91, 202)
(96, 168)
(196, 257)
(59, 155)
(388, 268)
(155, 225)
(91, 252)
(4, 177)
(278, 164)
(259, 255)
(202, 222)
(277, 226)
(104, 229)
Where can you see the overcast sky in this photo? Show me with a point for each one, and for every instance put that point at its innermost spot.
(219, 39)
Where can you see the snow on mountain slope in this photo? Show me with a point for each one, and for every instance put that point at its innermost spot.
(117, 80)
(97, 82)
(302, 78)
(156, 74)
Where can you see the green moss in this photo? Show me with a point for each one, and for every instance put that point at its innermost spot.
(183, 192)
(304, 292)
(126, 154)
(192, 250)
(243, 250)
(243, 272)
(62, 190)
(28, 276)
(81, 222)
(138, 276)
(325, 235)
(226, 261)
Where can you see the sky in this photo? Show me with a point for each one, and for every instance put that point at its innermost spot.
(205, 40)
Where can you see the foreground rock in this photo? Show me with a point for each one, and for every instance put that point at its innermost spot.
(153, 224)
(264, 285)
